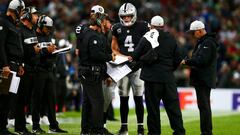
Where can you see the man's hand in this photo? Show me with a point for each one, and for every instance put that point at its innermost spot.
(77, 52)
(183, 62)
(37, 49)
(108, 81)
(51, 48)
(6, 71)
(130, 58)
(113, 56)
(20, 70)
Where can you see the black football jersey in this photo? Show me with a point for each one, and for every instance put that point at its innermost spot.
(128, 37)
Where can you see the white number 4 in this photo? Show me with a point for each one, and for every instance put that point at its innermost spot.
(128, 43)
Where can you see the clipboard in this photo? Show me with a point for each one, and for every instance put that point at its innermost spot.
(120, 59)
(5, 83)
(62, 50)
(9, 84)
(65, 49)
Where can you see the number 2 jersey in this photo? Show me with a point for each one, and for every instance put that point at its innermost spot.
(129, 36)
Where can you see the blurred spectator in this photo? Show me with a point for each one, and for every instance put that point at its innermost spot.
(219, 16)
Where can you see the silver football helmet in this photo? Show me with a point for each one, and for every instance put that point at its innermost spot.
(127, 9)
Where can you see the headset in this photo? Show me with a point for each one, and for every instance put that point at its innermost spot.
(41, 22)
(97, 19)
(27, 13)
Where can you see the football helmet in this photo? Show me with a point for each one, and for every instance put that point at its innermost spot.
(127, 9)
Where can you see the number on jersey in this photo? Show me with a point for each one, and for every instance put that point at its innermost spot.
(78, 29)
(129, 43)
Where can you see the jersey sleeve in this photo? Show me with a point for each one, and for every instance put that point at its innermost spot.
(114, 30)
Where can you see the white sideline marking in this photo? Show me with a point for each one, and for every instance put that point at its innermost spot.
(188, 116)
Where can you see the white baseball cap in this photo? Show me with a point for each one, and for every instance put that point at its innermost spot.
(49, 22)
(157, 21)
(45, 21)
(97, 9)
(196, 25)
(15, 4)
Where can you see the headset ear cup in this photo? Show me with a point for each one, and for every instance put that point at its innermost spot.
(30, 14)
(41, 21)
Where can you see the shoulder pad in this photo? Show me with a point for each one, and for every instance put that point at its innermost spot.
(116, 25)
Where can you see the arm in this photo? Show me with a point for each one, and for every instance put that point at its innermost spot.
(204, 56)
(114, 46)
(3, 33)
(142, 47)
(3, 56)
(177, 57)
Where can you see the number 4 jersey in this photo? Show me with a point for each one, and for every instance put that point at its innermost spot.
(129, 36)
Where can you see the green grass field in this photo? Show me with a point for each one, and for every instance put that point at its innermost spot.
(224, 123)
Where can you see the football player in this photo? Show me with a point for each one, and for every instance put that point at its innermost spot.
(126, 36)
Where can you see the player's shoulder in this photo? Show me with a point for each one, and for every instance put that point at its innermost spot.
(80, 28)
(116, 26)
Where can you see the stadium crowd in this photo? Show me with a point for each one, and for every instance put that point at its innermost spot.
(221, 17)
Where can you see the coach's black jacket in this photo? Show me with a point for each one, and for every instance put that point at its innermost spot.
(168, 59)
(29, 40)
(10, 42)
(204, 62)
(93, 51)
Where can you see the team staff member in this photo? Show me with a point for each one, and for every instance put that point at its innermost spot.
(11, 53)
(31, 51)
(81, 27)
(203, 65)
(92, 68)
(158, 77)
(45, 78)
(108, 84)
(126, 36)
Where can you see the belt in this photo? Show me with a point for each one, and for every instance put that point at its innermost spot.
(91, 68)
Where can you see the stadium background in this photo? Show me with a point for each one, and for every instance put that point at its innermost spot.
(219, 16)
